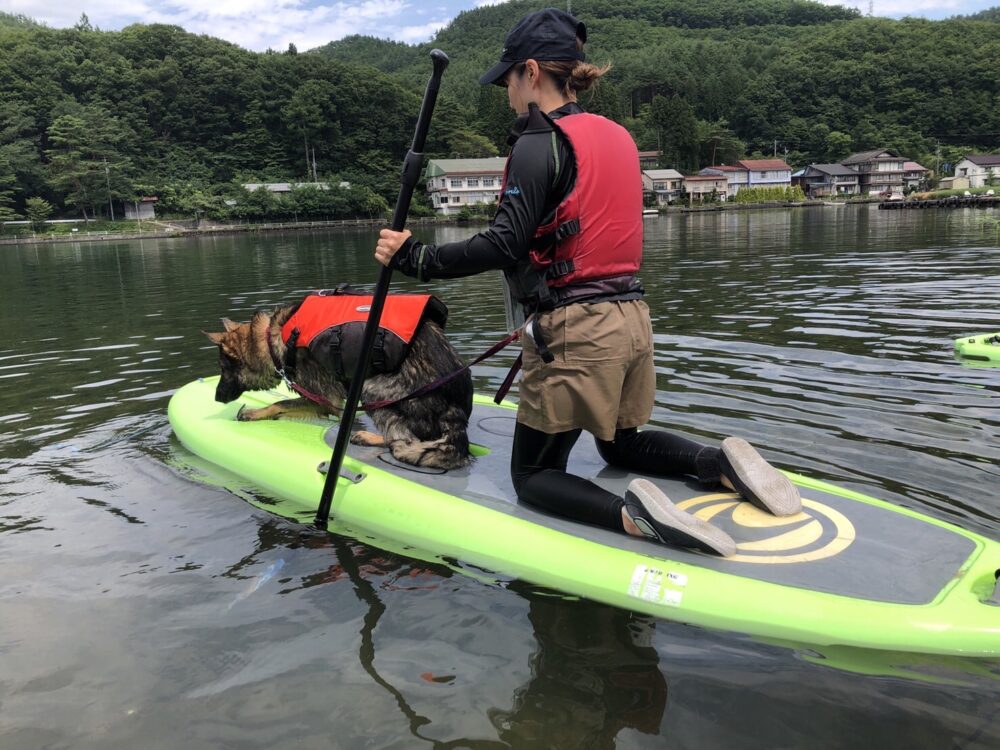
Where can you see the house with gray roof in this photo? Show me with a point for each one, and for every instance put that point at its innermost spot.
(914, 175)
(665, 184)
(824, 180)
(980, 169)
(453, 184)
(880, 171)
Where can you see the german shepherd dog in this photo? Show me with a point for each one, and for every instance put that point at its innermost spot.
(427, 430)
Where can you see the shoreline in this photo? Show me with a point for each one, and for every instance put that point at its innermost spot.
(174, 229)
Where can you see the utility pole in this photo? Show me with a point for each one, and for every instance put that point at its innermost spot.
(775, 146)
(107, 177)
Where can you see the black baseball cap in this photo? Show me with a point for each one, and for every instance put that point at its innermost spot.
(549, 34)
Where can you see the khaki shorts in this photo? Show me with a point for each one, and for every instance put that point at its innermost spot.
(602, 378)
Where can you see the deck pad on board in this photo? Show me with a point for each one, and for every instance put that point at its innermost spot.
(836, 545)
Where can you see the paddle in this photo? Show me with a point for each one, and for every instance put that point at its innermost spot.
(408, 179)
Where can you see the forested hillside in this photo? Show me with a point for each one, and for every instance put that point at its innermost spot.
(153, 110)
(187, 117)
(810, 81)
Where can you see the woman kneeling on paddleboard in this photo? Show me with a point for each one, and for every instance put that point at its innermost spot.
(568, 236)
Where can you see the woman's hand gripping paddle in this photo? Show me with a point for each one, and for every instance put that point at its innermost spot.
(409, 177)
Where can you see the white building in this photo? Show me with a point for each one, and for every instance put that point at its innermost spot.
(453, 184)
(736, 177)
(979, 168)
(765, 173)
(287, 187)
(140, 208)
(664, 183)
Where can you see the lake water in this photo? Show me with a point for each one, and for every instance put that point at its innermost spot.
(142, 609)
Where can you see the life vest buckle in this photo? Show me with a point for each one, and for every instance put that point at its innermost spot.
(567, 229)
(560, 268)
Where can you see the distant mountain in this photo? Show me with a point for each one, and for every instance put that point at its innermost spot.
(811, 78)
(17, 20)
(990, 14)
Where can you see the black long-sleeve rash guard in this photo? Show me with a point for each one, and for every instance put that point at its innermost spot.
(536, 185)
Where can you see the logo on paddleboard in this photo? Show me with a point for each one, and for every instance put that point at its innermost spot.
(363, 308)
(816, 533)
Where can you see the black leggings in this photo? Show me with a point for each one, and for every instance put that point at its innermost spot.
(538, 469)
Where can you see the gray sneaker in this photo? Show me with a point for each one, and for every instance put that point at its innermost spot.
(658, 518)
(756, 480)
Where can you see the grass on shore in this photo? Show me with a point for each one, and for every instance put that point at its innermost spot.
(938, 194)
(62, 230)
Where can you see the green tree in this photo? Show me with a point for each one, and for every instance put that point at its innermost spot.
(84, 162)
(83, 24)
(838, 147)
(678, 128)
(37, 210)
(494, 115)
(19, 146)
(7, 187)
(311, 112)
(719, 144)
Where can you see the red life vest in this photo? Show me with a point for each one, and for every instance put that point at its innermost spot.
(331, 326)
(596, 232)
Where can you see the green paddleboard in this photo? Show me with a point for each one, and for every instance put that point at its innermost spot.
(849, 571)
(983, 347)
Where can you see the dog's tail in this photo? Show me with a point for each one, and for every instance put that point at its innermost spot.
(450, 451)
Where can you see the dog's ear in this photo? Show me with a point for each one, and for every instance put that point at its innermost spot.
(229, 325)
(215, 338)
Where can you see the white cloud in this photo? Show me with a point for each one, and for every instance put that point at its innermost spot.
(897, 8)
(413, 34)
(254, 24)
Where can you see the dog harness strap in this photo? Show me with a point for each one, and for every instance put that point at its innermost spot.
(337, 353)
(379, 363)
(291, 354)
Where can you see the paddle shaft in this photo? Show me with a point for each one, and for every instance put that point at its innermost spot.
(408, 179)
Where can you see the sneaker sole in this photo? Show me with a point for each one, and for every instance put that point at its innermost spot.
(667, 514)
(772, 489)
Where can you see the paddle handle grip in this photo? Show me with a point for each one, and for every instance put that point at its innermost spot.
(409, 177)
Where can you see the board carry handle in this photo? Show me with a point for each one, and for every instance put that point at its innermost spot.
(409, 177)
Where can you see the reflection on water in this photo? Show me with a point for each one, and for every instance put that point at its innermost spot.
(142, 608)
(594, 673)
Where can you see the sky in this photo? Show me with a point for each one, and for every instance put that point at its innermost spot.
(262, 24)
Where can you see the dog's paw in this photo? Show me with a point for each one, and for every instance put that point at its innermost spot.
(255, 415)
(364, 437)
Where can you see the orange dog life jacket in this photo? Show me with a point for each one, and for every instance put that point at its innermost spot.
(331, 325)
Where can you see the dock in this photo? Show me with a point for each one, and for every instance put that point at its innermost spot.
(952, 201)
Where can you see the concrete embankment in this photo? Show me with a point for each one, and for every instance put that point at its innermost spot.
(191, 228)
